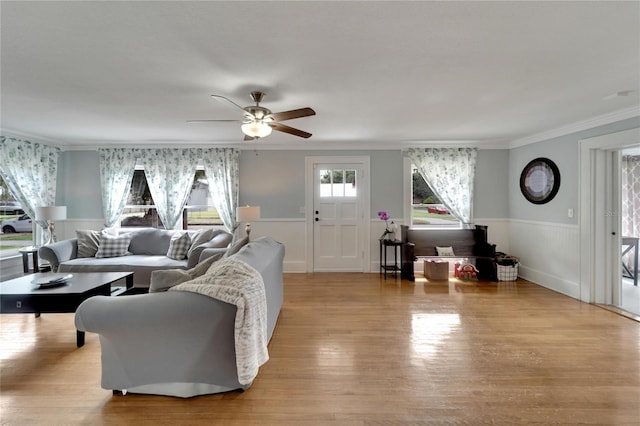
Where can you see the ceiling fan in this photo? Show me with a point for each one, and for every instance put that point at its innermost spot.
(258, 121)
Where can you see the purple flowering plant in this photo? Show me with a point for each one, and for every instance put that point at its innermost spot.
(383, 215)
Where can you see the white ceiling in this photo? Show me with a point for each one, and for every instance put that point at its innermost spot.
(377, 73)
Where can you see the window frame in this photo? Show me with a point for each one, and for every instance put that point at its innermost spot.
(185, 220)
(408, 200)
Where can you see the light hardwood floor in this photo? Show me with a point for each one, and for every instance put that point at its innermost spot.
(353, 349)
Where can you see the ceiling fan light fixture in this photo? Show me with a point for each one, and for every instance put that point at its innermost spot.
(256, 129)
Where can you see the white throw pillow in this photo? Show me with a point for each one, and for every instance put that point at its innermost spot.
(445, 251)
(113, 246)
(179, 246)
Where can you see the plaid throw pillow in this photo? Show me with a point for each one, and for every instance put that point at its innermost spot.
(179, 246)
(113, 246)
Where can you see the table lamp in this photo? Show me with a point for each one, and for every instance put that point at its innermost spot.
(50, 214)
(247, 214)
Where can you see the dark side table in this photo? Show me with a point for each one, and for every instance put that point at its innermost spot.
(25, 252)
(394, 267)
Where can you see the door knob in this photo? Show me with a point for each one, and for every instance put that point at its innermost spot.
(317, 219)
(317, 212)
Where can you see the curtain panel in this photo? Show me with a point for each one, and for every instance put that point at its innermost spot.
(170, 174)
(450, 173)
(116, 172)
(30, 171)
(222, 167)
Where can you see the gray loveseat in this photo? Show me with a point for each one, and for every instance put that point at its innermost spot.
(178, 343)
(146, 252)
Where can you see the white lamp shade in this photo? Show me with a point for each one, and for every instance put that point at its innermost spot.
(247, 213)
(51, 213)
(256, 129)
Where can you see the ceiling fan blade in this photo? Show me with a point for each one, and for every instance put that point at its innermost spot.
(229, 100)
(214, 121)
(286, 129)
(294, 113)
(248, 138)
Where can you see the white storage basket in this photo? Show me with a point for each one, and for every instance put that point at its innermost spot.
(507, 272)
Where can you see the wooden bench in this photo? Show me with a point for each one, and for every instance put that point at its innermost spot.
(466, 243)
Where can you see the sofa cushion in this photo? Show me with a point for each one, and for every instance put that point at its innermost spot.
(236, 246)
(179, 246)
(200, 238)
(164, 280)
(113, 246)
(217, 239)
(88, 242)
(150, 241)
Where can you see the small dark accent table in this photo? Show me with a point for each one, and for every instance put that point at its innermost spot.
(396, 266)
(21, 296)
(25, 252)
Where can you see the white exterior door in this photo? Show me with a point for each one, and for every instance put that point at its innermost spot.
(339, 211)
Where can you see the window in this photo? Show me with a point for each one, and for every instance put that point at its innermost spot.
(16, 226)
(141, 212)
(338, 183)
(427, 210)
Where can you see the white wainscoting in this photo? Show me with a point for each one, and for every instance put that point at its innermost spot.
(549, 254)
(291, 233)
(497, 232)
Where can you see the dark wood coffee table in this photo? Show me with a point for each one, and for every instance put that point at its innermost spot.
(22, 296)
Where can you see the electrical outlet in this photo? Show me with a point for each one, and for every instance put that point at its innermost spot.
(570, 213)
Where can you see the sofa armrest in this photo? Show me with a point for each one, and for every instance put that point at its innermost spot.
(162, 338)
(59, 252)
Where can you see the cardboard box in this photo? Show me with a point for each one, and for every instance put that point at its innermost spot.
(436, 269)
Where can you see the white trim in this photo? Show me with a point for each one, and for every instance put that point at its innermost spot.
(31, 137)
(546, 224)
(592, 225)
(579, 126)
(366, 203)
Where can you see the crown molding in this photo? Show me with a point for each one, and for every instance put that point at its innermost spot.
(29, 136)
(578, 126)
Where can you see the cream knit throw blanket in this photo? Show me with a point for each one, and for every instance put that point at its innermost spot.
(235, 282)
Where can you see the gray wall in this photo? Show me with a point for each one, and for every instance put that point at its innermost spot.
(275, 180)
(491, 190)
(564, 151)
(79, 184)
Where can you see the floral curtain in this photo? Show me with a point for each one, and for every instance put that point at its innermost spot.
(170, 174)
(116, 171)
(30, 171)
(450, 173)
(222, 167)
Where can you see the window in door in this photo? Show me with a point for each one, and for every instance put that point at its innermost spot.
(427, 210)
(338, 183)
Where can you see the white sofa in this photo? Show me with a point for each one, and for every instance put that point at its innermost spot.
(178, 343)
(146, 253)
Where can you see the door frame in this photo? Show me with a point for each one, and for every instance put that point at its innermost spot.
(364, 191)
(597, 249)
